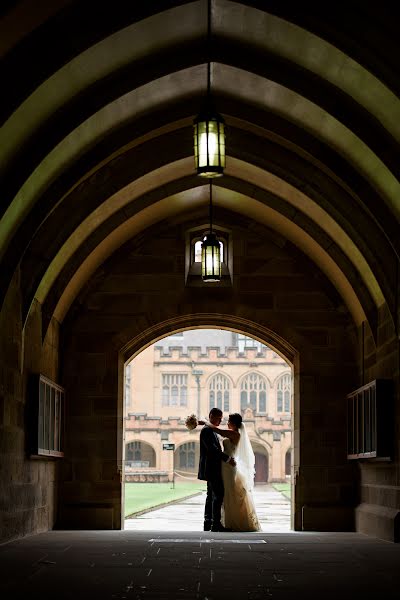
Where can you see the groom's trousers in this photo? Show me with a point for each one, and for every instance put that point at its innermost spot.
(214, 499)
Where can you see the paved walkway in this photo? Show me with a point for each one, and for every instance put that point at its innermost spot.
(273, 510)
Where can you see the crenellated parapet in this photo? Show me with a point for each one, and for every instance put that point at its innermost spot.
(215, 353)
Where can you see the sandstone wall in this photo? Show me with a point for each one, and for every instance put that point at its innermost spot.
(378, 513)
(28, 486)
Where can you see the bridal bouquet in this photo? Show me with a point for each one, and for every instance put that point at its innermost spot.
(191, 422)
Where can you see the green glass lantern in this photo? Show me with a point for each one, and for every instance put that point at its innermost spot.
(209, 144)
(210, 258)
(210, 252)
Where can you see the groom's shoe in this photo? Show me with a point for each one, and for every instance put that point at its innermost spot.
(207, 527)
(220, 528)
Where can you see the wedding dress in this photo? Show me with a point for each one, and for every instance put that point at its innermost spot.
(238, 511)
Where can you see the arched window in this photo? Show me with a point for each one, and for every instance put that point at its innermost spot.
(283, 394)
(253, 393)
(219, 392)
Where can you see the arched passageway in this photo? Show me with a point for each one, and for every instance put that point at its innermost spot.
(101, 206)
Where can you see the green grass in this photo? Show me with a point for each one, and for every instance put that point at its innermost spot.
(140, 497)
(284, 488)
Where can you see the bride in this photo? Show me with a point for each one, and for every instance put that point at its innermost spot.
(238, 512)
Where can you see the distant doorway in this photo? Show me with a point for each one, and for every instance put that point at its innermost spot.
(261, 467)
(288, 463)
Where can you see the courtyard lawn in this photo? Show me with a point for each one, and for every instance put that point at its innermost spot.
(140, 497)
(283, 488)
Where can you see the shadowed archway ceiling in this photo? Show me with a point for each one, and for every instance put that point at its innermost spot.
(96, 137)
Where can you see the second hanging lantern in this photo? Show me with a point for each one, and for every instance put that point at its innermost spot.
(211, 252)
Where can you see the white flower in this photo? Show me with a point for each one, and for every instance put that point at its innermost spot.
(191, 422)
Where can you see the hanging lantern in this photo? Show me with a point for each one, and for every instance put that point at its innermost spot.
(209, 126)
(209, 144)
(210, 258)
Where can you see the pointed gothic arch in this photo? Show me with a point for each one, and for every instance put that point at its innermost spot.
(254, 392)
(219, 388)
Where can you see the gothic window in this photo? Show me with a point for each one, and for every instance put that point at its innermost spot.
(253, 393)
(219, 392)
(284, 389)
(187, 456)
(174, 389)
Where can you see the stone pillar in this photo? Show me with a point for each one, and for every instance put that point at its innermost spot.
(90, 496)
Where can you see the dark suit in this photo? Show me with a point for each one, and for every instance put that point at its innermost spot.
(210, 471)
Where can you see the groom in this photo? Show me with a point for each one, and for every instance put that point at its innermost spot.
(210, 471)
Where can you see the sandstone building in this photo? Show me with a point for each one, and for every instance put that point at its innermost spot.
(190, 373)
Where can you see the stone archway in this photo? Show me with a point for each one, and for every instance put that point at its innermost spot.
(138, 451)
(150, 410)
(139, 462)
(239, 324)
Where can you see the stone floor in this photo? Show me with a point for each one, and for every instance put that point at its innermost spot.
(164, 555)
(273, 510)
(137, 565)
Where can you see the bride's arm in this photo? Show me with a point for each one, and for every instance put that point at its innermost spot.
(228, 433)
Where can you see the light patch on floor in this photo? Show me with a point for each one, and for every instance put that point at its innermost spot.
(205, 541)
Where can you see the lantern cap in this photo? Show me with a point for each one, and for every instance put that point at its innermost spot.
(211, 239)
(208, 114)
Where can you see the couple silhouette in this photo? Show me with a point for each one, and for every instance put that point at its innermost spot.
(229, 474)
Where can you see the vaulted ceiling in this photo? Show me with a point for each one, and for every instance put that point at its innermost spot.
(97, 106)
